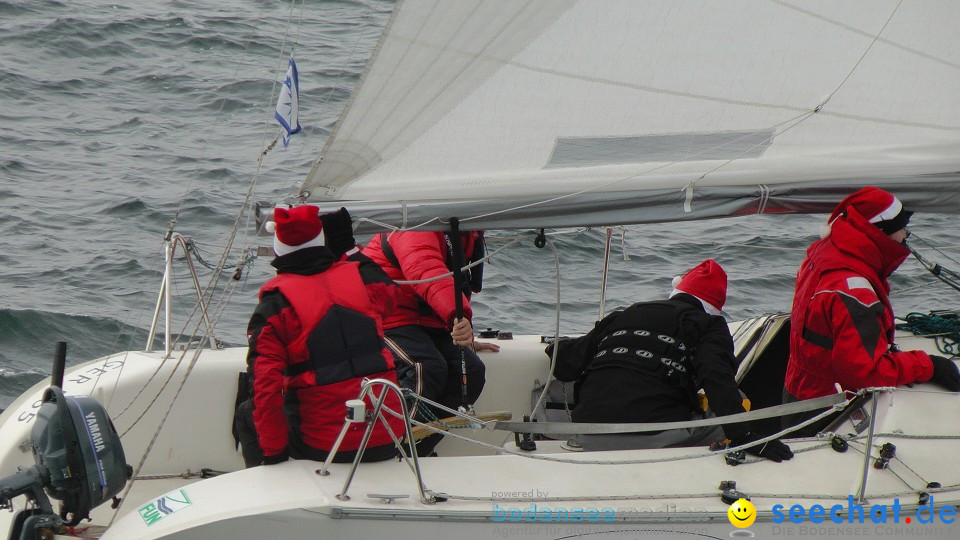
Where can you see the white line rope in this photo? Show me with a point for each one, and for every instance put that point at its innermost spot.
(692, 455)
(486, 258)
(556, 334)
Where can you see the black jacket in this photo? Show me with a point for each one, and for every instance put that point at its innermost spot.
(646, 362)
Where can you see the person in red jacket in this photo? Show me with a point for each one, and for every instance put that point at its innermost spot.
(425, 323)
(316, 333)
(842, 323)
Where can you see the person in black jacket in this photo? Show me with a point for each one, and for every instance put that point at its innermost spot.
(647, 362)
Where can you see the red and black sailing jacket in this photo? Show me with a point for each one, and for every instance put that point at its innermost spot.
(842, 324)
(419, 255)
(313, 338)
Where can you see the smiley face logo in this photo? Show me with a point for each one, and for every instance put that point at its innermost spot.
(742, 513)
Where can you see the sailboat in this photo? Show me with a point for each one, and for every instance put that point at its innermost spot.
(547, 114)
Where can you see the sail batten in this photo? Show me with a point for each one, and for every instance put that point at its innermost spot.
(554, 109)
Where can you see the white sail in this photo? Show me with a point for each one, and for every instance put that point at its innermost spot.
(633, 111)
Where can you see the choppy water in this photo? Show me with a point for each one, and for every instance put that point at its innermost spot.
(119, 117)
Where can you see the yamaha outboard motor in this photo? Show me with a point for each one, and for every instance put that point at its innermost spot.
(79, 461)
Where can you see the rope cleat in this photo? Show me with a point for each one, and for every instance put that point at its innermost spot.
(887, 452)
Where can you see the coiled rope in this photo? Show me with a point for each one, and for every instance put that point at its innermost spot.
(944, 329)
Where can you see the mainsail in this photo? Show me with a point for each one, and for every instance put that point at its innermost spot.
(511, 113)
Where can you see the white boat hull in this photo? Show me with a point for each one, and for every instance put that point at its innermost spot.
(608, 494)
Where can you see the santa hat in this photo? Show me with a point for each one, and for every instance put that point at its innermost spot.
(876, 206)
(707, 282)
(297, 228)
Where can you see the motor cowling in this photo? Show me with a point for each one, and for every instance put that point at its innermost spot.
(79, 450)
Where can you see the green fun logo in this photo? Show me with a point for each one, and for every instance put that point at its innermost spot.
(162, 507)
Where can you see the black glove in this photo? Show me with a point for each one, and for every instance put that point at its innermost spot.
(773, 450)
(945, 373)
(338, 231)
(273, 460)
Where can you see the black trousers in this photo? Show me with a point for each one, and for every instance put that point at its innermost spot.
(296, 448)
(301, 450)
(440, 357)
(442, 374)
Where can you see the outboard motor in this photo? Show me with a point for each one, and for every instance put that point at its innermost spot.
(78, 460)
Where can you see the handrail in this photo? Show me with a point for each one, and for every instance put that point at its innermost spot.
(164, 296)
(574, 428)
(366, 391)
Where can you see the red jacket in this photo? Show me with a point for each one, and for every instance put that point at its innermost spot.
(842, 322)
(300, 356)
(421, 255)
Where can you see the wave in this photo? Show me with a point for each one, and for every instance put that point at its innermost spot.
(137, 208)
(28, 337)
(28, 340)
(17, 9)
(12, 166)
(14, 383)
(226, 104)
(130, 207)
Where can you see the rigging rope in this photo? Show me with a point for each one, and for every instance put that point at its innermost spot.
(246, 258)
(945, 275)
(944, 329)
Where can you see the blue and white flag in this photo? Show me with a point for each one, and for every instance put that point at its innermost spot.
(288, 104)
